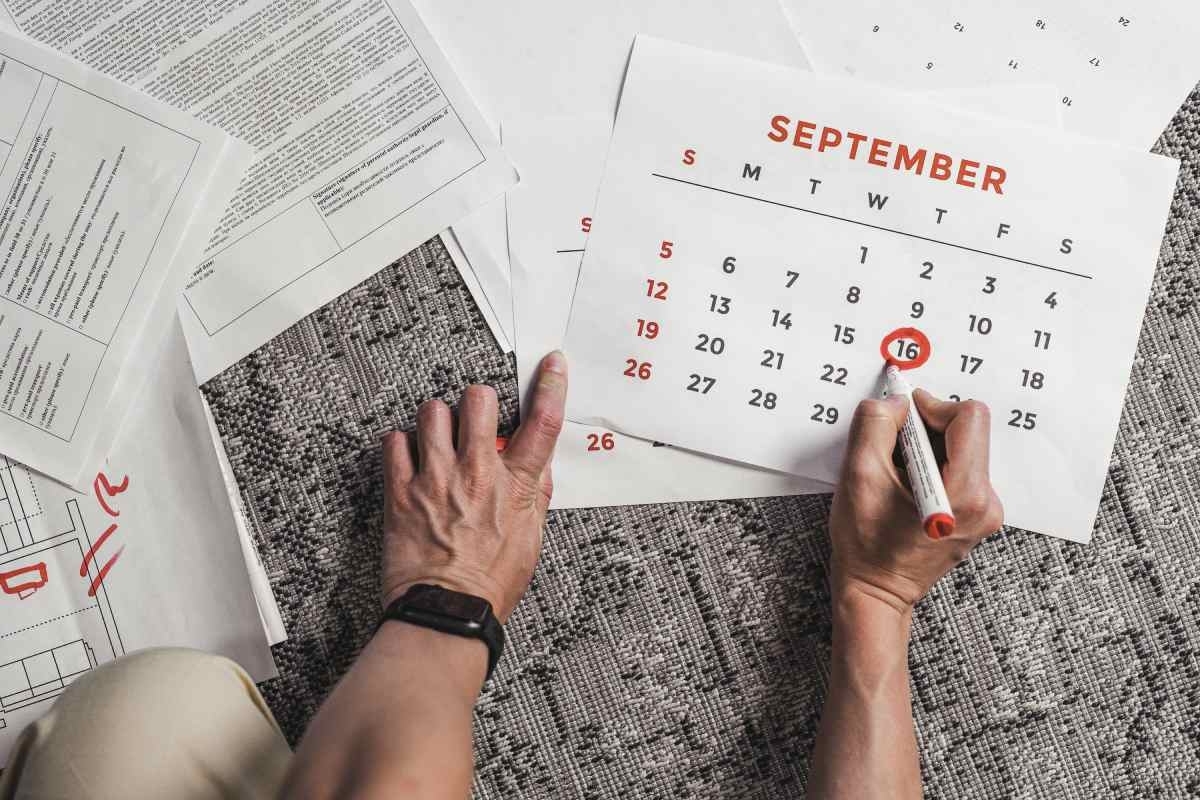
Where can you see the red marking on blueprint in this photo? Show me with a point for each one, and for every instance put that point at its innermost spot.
(102, 484)
(27, 587)
(91, 553)
(99, 579)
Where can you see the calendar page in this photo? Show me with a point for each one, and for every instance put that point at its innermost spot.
(1122, 67)
(549, 216)
(764, 238)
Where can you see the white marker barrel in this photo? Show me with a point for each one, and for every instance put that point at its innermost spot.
(924, 476)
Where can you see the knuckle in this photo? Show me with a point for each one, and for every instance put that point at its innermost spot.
(975, 410)
(982, 508)
(523, 483)
(993, 518)
(547, 423)
(478, 477)
(974, 503)
(430, 486)
(401, 502)
(857, 472)
(870, 408)
(406, 501)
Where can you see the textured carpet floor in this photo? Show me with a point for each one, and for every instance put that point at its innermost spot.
(681, 651)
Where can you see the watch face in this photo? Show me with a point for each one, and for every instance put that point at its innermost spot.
(451, 604)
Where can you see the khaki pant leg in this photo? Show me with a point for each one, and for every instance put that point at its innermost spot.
(167, 723)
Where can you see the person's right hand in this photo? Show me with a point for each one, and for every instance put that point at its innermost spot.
(879, 547)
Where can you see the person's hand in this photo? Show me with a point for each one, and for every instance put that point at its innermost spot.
(471, 519)
(879, 547)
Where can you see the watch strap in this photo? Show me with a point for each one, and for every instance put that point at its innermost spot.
(425, 605)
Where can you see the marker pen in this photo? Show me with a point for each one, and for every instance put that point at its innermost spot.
(924, 476)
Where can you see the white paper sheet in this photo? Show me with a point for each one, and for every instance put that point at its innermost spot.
(561, 160)
(367, 143)
(161, 535)
(1035, 259)
(101, 185)
(260, 582)
(466, 270)
(568, 58)
(483, 239)
(1122, 68)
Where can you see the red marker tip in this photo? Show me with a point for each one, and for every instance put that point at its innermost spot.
(939, 526)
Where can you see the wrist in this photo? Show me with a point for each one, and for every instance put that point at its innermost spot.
(456, 581)
(458, 662)
(859, 604)
(870, 640)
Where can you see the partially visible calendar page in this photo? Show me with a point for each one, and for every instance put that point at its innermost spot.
(764, 237)
(550, 215)
(1122, 67)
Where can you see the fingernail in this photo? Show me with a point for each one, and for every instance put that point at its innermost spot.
(556, 362)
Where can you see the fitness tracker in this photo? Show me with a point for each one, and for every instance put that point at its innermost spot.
(450, 612)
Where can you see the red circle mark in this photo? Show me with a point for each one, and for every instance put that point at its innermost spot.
(925, 349)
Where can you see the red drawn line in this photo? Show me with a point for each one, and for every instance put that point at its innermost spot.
(30, 585)
(109, 489)
(922, 341)
(99, 579)
(101, 483)
(91, 553)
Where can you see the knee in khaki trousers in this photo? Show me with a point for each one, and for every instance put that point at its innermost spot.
(168, 723)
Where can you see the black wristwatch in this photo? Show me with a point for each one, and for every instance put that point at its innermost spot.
(450, 612)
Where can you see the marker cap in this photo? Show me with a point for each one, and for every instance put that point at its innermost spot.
(939, 525)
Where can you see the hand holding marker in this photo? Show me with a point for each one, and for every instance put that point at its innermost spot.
(924, 476)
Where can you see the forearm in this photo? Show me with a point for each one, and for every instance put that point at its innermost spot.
(866, 745)
(398, 724)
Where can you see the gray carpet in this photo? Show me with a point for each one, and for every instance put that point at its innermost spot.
(681, 651)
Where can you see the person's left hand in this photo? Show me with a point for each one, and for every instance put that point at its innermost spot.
(471, 520)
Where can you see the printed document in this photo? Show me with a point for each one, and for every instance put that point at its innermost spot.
(1121, 68)
(105, 193)
(367, 145)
